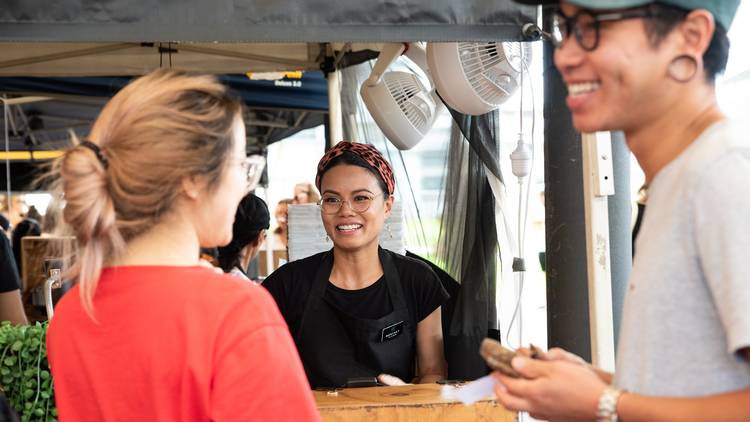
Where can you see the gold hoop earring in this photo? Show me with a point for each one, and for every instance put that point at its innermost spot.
(683, 68)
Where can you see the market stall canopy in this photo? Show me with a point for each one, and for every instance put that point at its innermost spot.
(126, 37)
(305, 91)
(44, 113)
(275, 109)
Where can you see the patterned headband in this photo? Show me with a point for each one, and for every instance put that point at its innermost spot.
(366, 152)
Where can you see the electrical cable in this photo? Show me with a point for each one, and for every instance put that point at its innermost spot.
(520, 170)
(522, 234)
(533, 130)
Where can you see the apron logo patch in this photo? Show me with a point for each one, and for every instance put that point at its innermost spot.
(390, 332)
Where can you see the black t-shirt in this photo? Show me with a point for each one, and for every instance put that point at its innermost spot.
(372, 302)
(9, 279)
(290, 287)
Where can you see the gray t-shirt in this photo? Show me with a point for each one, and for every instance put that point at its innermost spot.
(687, 308)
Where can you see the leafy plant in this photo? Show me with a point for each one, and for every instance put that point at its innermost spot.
(24, 372)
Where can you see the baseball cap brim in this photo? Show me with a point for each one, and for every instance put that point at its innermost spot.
(722, 10)
(593, 4)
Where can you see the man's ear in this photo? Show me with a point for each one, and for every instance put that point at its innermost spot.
(696, 32)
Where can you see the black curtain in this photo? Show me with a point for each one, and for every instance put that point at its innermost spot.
(468, 240)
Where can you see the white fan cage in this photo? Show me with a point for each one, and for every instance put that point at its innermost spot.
(492, 68)
(412, 98)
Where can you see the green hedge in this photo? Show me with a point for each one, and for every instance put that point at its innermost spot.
(24, 372)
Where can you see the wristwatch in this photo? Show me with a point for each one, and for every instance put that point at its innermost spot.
(607, 409)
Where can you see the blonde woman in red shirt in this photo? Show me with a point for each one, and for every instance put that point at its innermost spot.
(147, 334)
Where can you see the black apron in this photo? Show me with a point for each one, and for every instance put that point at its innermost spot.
(335, 346)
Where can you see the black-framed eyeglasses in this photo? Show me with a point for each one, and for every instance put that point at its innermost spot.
(331, 204)
(585, 25)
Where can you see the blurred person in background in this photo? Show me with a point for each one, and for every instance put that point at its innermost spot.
(11, 307)
(248, 233)
(51, 220)
(305, 193)
(4, 225)
(33, 213)
(14, 209)
(281, 232)
(27, 227)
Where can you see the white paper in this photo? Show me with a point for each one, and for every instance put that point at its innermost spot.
(472, 392)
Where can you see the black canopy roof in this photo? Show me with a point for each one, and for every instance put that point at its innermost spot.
(262, 20)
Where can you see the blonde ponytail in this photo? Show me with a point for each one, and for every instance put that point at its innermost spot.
(126, 177)
(90, 211)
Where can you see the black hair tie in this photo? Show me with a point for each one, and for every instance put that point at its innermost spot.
(98, 151)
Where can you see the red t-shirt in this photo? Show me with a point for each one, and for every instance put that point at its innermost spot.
(175, 344)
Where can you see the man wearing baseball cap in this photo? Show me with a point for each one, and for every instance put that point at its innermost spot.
(648, 69)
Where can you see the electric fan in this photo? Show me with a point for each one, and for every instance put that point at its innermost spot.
(475, 78)
(403, 108)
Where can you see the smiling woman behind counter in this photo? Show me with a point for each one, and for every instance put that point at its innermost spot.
(360, 310)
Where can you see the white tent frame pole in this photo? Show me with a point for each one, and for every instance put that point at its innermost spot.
(598, 184)
(335, 122)
(111, 47)
(24, 100)
(107, 48)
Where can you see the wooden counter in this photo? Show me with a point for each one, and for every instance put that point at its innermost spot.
(420, 402)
